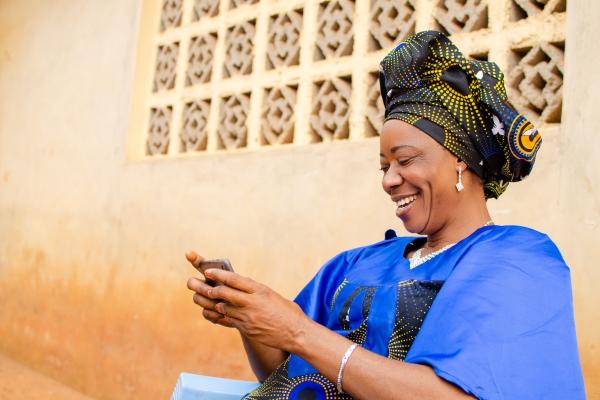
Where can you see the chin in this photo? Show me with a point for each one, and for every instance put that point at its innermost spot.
(412, 228)
(415, 223)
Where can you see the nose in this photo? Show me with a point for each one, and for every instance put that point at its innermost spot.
(391, 179)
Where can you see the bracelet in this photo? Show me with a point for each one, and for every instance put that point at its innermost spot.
(343, 364)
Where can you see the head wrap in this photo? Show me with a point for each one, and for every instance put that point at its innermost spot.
(427, 82)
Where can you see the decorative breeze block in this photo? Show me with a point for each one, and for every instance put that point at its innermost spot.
(205, 8)
(166, 66)
(456, 16)
(194, 135)
(283, 48)
(331, 110)
(391, 22)
(335, 32)
(375, 108)
(233, 130)
(528, 8)
(535, 81)
(158, 130)
(237, 3)
(172, 11)
(200, 59)
(278, 115)
(239, 49)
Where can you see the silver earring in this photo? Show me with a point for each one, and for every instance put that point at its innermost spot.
(459, 185)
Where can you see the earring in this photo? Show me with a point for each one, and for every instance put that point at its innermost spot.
(459, 185)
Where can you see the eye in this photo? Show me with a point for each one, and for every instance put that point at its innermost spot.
(405, 162)
(384, 168)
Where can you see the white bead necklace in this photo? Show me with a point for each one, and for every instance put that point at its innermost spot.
(417, 259)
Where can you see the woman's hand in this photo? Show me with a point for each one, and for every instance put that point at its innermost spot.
(201, 288)
(263, 358)
(257, 311)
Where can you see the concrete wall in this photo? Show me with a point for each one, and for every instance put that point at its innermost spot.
(92, 272)
(577, 217)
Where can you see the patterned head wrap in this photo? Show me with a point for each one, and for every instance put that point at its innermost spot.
(462, 104)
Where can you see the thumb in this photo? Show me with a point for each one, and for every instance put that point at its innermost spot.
(194, 258)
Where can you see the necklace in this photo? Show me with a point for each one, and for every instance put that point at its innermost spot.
(417, 259)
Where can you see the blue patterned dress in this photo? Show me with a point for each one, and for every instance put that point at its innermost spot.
(493, 315)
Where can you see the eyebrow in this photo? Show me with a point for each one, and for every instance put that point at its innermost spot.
(395, 148)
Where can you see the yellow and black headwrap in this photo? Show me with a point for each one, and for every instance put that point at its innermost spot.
(462, 104)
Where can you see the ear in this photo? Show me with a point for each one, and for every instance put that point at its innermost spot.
(460, 164)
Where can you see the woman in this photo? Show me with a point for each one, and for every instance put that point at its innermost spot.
(467, 310)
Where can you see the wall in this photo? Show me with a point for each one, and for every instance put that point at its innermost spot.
(92, 272)
(577, 217)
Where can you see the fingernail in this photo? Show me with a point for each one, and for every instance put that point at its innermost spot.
(208, 272)
(209, 292)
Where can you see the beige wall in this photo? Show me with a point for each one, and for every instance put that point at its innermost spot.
(92, 274)
(577, 217)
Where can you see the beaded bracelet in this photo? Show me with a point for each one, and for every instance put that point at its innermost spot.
(343, 364)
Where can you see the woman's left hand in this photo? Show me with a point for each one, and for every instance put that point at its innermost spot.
(257, 311)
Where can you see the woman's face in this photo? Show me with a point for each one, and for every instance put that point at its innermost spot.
(419, 175)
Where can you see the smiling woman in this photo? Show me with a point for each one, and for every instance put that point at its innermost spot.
(468, 309)
(420, 176)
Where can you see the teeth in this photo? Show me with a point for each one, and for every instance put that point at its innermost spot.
(405, 201)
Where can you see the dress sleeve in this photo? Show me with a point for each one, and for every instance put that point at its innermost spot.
(502, 325)
(317, 294)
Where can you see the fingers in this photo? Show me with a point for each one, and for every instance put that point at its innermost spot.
(205, 294)
(201, 297)
(198, 286)
(215, 311)
(229, 311)
(232, 280)
(204, 302)
(194, 258)
(230, 295)
(217, 318)
(213, 316)
(220, 292)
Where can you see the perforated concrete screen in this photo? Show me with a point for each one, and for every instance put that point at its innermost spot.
(225, 75)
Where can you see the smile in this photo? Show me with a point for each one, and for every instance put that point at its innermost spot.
(405, 201)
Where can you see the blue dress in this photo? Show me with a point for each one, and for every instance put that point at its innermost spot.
(493, 315)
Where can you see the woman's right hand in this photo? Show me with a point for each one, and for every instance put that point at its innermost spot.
(200, 289)
(263, 359)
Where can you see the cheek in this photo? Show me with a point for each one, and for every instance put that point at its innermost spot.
(436, 185)
(442, 184)
(423, 177)
(444, 193)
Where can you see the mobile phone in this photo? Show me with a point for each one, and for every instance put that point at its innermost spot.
(221, 263)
